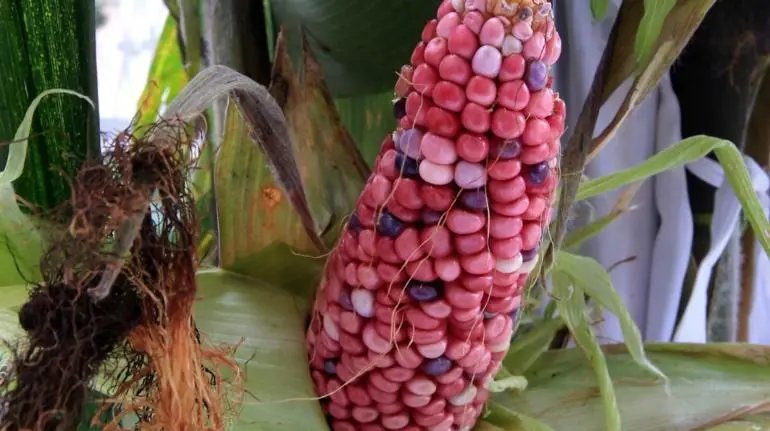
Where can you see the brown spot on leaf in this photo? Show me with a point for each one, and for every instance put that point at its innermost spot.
(271, 196)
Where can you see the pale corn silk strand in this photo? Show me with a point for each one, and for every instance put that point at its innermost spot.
(693, 326)
(420, 298)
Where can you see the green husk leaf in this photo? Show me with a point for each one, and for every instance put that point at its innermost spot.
(708, 385)
(45, 45)
(526, 348)
(579, 236)
(501, 418)
(590, 278)
(21, 245)
(359, 45)
(271, 323)
(571, 306)
(368, 119)
(599, 8)
(655, 13)
(165, 79)
(686, 151)
(662, 46)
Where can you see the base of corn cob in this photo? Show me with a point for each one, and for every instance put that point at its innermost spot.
(420, 298)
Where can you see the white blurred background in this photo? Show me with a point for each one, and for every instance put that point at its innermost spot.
(125, 42)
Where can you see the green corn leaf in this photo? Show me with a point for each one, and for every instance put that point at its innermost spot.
(526, 348)
(20, 241)
(571, 306)
(599, 8)
(45, 45)
(368, 119)
(501, 418)
(590, 278)
(686, 151)
(710, 384)
(359, 45)
(655, 14)
(166, 76)
(580, 235)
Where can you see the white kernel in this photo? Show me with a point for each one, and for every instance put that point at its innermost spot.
(512, 45)
(465, 397)
(363, 302)
(459, 5)
(499, 347)
(527, 267)
(508, 266)
(331, 328)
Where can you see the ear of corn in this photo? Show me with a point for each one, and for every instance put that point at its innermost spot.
(420, 298)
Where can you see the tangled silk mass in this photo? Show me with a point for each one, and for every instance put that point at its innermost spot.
(420, 297)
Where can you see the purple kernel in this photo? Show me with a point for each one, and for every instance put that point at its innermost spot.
(525, 13)
(409, 142)
(344, 299)
(501, 149)
(436, 367)
(431, 217)
(354, 223)
(536, 75)
(407, 166)
(399, 108)
(474, 199)
(527, 255)
(423, 291)
(330, 366)
(389, 225)
(538, 173)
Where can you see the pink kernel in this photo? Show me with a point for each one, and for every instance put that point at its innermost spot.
(537, 132)
(487, 61)
(438, 149)
(472, 148)
(435, 51)
(512, 68)
(514, 95)
(442, 122)
(553, 50)
(429, 31)
(417, 55)
(481, 90)
(447, 24)
(474, 20)
(449, 96)
(463, 222)
(506, 124)
(522, 30)
(454, 69)
(476, 118)
(541, 103)
(534, 49)
(424, 79)
(463, 42)
(492, 32)
(436, 174)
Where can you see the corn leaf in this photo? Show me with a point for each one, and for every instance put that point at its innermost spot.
(368, 119)
(655, 13)
(20, 241)
(571, 306)
(280, 394)
(500, 418)
(359, 45)
(563, 390)
(267, 240)
(599, 8)
(47, 45)
(590, 278)
(577, 237)
(166, 76)
(660, 41)
(526, 348)
(686, 151)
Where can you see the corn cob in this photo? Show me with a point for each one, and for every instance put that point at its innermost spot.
(420, 298)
